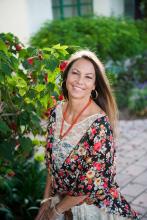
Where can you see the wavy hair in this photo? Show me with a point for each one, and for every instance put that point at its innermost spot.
(105, 98)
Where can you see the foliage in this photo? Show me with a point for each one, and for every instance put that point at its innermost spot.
(29, 86)
(129, 84)
(28, 81)
(21, 193)
(138, 100)
(111, 38)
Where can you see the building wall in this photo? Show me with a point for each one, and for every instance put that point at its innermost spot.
(108, 7)
(23, 17)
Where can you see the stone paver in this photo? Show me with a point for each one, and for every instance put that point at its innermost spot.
(132, 163)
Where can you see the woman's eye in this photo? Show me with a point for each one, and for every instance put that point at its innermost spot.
(89, 77)
(74, 72)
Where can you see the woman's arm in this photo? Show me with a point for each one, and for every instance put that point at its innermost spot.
(48, 187)
(69, 202)
(64, 205)
(45, 203)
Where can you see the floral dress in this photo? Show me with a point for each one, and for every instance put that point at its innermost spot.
(83, 163)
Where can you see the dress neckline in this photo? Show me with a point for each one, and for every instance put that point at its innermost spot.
(82, 121)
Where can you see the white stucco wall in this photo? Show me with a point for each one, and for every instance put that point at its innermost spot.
(23, 17)
(108, 7)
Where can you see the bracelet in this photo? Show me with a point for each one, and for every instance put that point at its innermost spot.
(45, 200)
(58, 212)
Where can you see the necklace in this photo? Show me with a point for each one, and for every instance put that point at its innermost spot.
(74, 121)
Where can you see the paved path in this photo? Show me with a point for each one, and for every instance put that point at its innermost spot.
(132, 163)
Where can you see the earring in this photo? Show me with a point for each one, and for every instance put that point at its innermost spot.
(94, 94)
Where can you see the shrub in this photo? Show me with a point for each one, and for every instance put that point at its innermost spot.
(138, 100)
(21, 193)
(110, 38)
(28, 84)
(29, 87)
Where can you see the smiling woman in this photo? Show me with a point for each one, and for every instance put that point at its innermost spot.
(80, 149)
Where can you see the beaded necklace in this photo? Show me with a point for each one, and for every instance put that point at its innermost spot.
(62, 135)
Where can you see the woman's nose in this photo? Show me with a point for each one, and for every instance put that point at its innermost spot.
(80, 80)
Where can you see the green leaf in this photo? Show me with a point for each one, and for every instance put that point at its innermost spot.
(7, 149)
(22, 91)
(21, 83)
(4, 128)
(3, 46)
(44, 101)
(40, 87)
(57, 46)
(6, 68)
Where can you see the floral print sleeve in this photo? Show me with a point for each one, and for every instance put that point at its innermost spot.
(90, 170)
(97, 159)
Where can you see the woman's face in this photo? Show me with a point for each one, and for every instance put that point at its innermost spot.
(81, 79)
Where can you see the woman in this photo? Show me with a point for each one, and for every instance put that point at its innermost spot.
(80, 152)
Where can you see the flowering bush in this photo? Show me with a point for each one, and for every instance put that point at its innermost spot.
(30, 85)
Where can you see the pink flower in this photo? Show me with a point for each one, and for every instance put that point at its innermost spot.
(97, 146)
(75, 157)
(105, 185)
(89, 187)
(106, 202)
(63, 65)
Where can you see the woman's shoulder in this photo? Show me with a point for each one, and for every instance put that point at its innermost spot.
(102, 125)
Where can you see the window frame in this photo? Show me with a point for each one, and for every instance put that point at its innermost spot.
(78, 5)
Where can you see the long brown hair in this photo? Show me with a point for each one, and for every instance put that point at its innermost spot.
(105, 98)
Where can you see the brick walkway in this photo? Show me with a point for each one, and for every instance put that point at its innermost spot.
(132, 163)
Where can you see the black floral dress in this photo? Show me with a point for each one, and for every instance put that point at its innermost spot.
(88, 169)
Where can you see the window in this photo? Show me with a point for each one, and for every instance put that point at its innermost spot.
(130, 8)
(70, 8)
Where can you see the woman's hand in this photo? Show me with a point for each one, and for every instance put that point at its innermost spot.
(52, 215)
(43, 211)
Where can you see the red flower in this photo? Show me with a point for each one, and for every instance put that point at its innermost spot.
(97, 146)
(18, 47)
(49, 145)
(63, 65)
(13, 126)
(47, 112)
(82, 178)
(60, 97)
(86, 145)
(114, 193)
(11, 173)
(98, 166)
(93, 130)
(46, 77)
(68, 160)
(30, 60)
